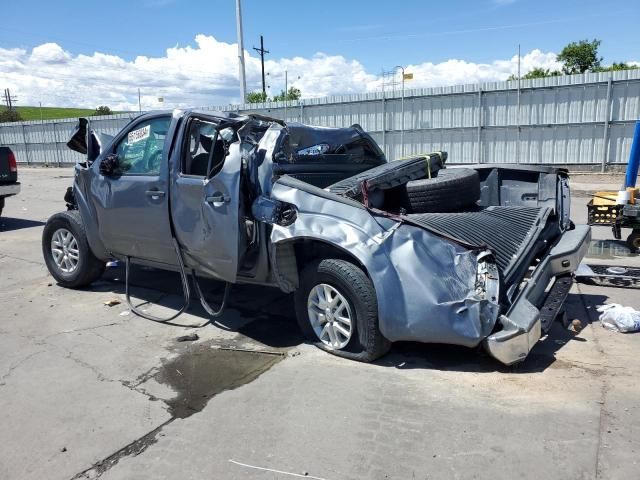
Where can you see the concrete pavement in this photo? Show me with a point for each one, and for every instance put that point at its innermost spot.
(89, 391)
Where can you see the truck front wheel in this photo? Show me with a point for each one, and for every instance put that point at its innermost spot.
(66, 251)
(337, 310)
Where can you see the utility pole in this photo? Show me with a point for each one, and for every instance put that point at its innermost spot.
(243, 81)
(262, 51)
(9, 99)
(139, 101)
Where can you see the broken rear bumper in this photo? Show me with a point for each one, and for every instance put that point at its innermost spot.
(521, 325)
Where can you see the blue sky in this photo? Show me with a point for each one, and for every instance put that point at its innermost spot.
(48, 48)
(377, 33)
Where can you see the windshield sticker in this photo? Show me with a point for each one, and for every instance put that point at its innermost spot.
(140, 134)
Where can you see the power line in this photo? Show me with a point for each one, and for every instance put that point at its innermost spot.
(262, 51)
(9, 99)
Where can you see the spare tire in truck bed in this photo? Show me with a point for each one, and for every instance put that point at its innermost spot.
(453, 190)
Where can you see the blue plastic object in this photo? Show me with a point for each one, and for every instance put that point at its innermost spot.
(634, 159)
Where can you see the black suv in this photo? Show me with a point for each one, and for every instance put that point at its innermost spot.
(9, 184)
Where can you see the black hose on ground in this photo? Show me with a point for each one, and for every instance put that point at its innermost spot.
(186, 295)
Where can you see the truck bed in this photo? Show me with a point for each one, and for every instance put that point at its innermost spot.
(511, 233)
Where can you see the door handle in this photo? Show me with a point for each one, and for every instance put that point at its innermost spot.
(219, 198)
(154, 193)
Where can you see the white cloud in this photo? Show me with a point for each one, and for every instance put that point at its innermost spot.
(49, 53)
(206, 73)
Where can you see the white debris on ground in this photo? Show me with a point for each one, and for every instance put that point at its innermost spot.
(619, 318)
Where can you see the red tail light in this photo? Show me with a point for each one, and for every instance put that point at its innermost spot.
(13, 166)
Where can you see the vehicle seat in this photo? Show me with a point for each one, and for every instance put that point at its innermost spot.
(217, 160)
(200, 162)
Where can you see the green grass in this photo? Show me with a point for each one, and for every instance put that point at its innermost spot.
(52, 113)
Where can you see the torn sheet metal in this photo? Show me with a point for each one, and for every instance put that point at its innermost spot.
(429, 289)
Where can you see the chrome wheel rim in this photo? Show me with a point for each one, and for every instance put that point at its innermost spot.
(330, 316)
(64, 249)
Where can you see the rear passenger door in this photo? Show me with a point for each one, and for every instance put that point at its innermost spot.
(205, 198)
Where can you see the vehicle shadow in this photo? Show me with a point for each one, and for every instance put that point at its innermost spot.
(264, 315)
(409, 355)
(267, 316)
(8, 224)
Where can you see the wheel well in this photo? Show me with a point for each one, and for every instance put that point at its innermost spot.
(307, 250)
(292, 256)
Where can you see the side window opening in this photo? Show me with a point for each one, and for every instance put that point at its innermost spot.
(141, 151)
(205, 150)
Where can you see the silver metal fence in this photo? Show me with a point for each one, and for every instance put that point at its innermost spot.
(569, 120)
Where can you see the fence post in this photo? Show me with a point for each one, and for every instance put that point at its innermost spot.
(479, 139)
(605, 135)
(384, 125)
(301, 111)
(55, 138)
(26, 147)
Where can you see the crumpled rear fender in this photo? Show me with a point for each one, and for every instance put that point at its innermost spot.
(429, 289)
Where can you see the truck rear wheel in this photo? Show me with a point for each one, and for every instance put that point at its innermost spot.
(337, 310)
(67, 253)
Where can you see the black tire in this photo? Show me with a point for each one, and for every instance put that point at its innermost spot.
(1, 205)
(367, 342)
(453, 190)
(88, 269)
(633, 241)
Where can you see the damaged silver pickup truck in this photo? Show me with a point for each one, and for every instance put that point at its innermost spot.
(375, 252)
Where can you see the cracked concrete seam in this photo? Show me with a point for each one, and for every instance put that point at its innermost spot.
(23, 260)
(17, 364)
(145, 376)
(134, 448)
(85, 329)
(103, 378)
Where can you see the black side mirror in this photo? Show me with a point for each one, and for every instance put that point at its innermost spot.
(110, 165)
(78, 140)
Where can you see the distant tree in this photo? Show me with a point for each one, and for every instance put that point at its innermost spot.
(102, 110)
(577, 57)
(580, 57)
(293, 94)
(537, 72)
(257, 97)
(616, 66)
(541, 73)
(7, 115)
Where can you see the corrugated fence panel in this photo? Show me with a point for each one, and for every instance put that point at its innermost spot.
(555, 120)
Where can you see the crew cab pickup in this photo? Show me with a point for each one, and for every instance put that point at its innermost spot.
(9, 184)
(374, 252)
